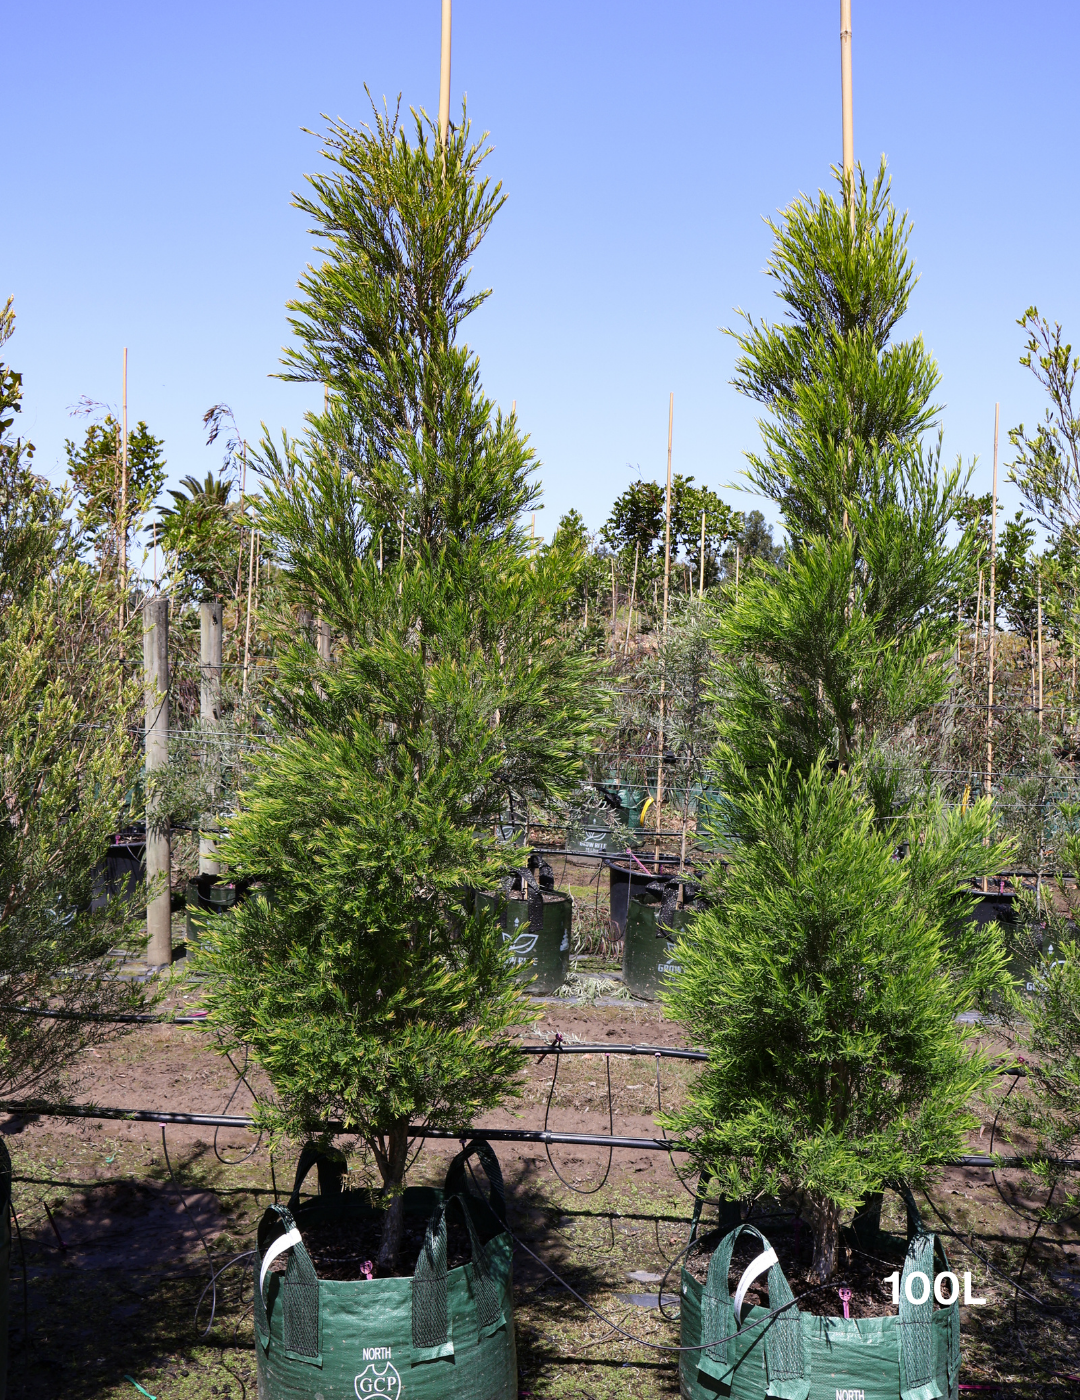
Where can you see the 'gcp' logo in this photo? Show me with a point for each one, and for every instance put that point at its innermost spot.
(373, 1381)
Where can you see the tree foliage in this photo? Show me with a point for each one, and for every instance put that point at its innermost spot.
(200, 536)
(827, 977)
(67, 761)
(1047, 463)
(360, 976)
(825, 981)
(95, 471)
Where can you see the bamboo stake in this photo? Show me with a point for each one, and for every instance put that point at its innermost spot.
(737, 573)
(991, 619)
(633, 595)
(978, 617)
(240, 553)
(247, 625)
(959, 626)
(701, 565)
(846, 105)
(1038, 577)
(123, 502)
(444, 77)
(614, 624)
(663, 632)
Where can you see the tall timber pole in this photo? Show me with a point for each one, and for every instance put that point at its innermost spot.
(210, 637)
(846, 103)
(158, 854)
(444, 77)
(663, 632)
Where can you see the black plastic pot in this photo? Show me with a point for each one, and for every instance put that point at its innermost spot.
(535, 921)
(626, 878)
(122, 871)
(209, 894)
(653, 923)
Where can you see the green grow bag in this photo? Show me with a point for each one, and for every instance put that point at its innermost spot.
(536, 925)
(653, 922)
(796, 1356)
(5, 1259)
(444, 1334)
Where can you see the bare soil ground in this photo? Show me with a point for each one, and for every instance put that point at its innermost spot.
(113, 1279)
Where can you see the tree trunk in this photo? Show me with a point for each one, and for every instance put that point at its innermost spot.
(826, 1240)
(391, 1154)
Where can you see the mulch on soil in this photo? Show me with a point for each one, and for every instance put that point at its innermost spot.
(340, 1247)
(863, 1274)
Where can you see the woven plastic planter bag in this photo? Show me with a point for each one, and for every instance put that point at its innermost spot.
(536, 922)
(653, 923)
(780, 1351)
(5, 1259)
(444, 1334)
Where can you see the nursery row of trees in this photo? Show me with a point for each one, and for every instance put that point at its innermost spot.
(431, 667)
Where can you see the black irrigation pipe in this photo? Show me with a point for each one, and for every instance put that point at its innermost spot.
(23, 1109)
(660, 1051)
(120, 1019)
(217, 1120)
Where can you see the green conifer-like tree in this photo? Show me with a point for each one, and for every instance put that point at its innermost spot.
(826, 979)
(360, 976)
(67, 763)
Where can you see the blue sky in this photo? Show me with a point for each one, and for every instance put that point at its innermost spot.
(150, 152)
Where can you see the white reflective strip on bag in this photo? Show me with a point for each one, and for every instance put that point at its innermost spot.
(765, 1260)
(278, 1247)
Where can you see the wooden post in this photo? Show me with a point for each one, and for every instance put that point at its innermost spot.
(323, 640)
(1038, 578)
(701, 565)
(992, 620)
(633, 595)
(123, 500)
(663, 633)
(444, 77)
(846, 104)
(247, 624)
(210, 615)
(156, 749)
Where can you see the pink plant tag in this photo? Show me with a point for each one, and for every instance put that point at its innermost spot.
(367, 1268)
(845, 1298)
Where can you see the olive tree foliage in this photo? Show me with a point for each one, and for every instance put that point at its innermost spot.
(67, 760)
(360, 975)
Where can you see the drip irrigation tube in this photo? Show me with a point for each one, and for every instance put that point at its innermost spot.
(24, 1109)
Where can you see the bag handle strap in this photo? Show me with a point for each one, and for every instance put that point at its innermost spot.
(727, 1210)
(300, 1291)
(457, 1183)
(430, 1307)
(785, 1356)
